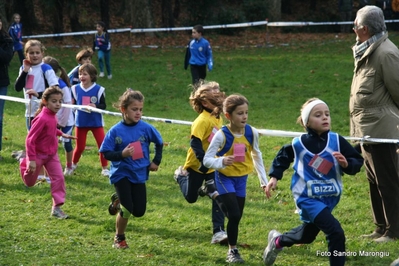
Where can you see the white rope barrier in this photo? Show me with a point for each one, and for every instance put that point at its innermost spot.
(262, 132)
(220, 26)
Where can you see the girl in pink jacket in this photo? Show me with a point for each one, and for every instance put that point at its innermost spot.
(42, 146)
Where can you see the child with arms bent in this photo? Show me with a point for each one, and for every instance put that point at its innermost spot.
(127, 146)
(320, 158)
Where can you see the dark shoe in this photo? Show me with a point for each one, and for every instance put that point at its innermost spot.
(207, 189)
(115, 205)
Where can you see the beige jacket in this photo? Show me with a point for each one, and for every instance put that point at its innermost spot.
(374, 98)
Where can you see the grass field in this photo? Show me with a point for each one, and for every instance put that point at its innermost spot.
(276, 80)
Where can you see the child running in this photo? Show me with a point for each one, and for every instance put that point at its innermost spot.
(34, 77)
(66, 119)
(41, 149)
(320, 158)
(233, 152)
(88, 92)
(102, 44)
(207, 101)
(83, 56)
(127, 146)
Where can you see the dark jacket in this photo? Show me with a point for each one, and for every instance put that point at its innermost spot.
(6, 53)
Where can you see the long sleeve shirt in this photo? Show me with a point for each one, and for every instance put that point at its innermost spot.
(42, 136)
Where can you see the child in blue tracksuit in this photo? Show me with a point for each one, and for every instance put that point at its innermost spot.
(320, 158)
(198, 55)
(15, 32)
(127, 146)
(102, 44)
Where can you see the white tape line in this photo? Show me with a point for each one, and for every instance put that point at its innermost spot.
(262, 132)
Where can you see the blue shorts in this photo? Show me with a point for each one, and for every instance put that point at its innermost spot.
(67, 130)
(225, 184)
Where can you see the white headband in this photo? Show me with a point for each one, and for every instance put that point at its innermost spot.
(308, 108)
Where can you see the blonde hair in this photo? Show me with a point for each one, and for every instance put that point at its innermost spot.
(55, 65)
(207, 91)
(32, 43)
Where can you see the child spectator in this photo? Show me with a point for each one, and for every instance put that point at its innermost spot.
(198, 55)
(65, 116)
(207, 101)
(87, 92)
(320, 158)
(41, 149)
(102, 44)
(34, 77)
(82, 57)
(15, 32)
(127, 146)
(233, 152)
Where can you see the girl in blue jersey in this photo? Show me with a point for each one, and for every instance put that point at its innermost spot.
(127, 146)
(207, 101)
(15, 32)
(102, 44)
(198, 55)
(320, 158)
(88, 92)
(234, 153)
(65, 117)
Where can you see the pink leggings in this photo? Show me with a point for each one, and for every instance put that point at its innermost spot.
(81, 134)
(53, 167)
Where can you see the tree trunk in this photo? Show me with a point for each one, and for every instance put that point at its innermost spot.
(73, 15)
(58, 22)
(104, 7)
(3, 16)
(167, 14)
(140, 15)
(274, 10)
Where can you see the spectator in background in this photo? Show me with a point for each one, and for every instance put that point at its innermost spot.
(345, 11)
(6, 53)
(15, 32)
(373, 106)
(198, 55)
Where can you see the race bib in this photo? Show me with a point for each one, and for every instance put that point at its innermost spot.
(320, 164)
(322, 188)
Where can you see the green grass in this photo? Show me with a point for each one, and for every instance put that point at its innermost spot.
(276, 80)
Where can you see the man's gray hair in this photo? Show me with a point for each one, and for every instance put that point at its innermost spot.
(373, 18)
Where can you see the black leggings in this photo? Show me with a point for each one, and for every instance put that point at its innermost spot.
(233, 208)
(132, 196)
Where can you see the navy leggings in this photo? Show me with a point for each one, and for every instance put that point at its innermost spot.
(132, 196)
(307, 232)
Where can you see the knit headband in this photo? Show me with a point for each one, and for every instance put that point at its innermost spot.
(308, 108)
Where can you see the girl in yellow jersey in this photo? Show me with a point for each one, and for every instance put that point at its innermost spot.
(234, 152)
(207, 101)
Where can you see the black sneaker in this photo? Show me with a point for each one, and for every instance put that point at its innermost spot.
(208, 188)
(115, 205)
(233, 256)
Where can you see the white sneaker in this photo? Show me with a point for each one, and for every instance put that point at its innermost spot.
(101, 74)
(105, 172)
(271, 252)
(110, 76)
(180, 172)
(48, 180)
(68, 171)
(219, 237)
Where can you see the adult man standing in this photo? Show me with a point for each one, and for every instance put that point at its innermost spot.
(374, 112)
